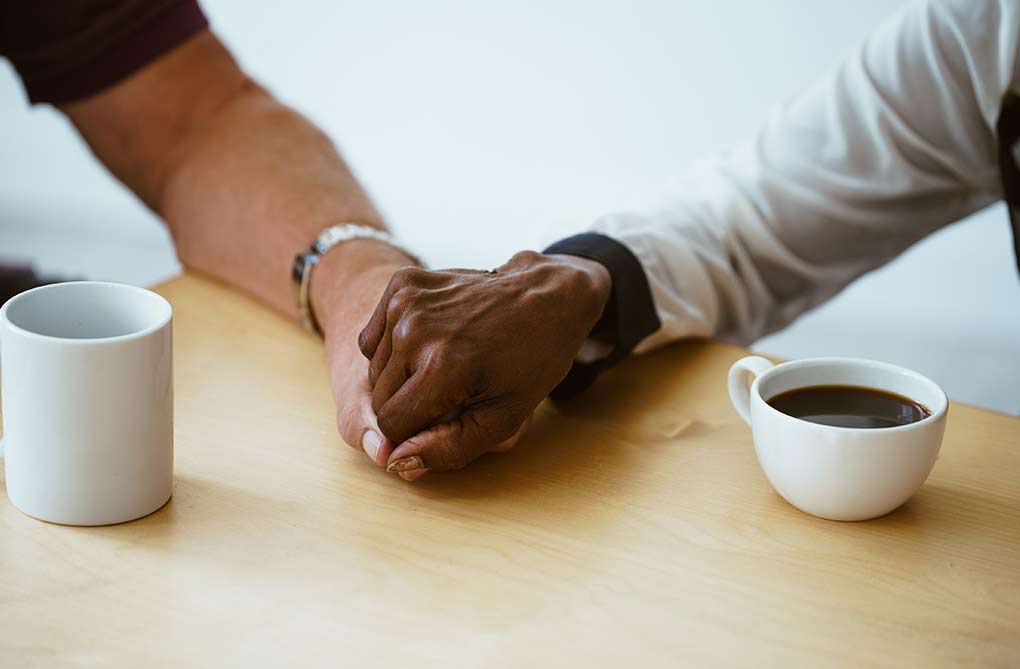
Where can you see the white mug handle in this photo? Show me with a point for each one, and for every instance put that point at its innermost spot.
(740, 393)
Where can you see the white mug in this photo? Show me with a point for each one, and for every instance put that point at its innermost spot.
(87, 402)
(832, 472)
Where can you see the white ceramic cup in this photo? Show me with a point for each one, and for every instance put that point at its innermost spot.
(837, 472)
(87, 402)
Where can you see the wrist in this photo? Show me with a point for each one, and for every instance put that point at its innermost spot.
(595, 281)
(348, 281)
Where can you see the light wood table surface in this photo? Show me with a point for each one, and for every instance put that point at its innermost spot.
(631, 528)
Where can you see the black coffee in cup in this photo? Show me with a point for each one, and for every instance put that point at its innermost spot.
(849, 406)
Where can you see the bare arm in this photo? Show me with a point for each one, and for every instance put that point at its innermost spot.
(244, 184)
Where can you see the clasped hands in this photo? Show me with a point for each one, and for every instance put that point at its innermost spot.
(455, 361)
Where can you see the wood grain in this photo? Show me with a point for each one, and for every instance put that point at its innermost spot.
(632, 527)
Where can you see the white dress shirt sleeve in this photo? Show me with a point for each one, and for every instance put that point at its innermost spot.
(894, 144)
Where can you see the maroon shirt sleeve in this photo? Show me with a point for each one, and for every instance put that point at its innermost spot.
(69, 50)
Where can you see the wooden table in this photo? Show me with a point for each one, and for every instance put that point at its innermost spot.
(632, 528)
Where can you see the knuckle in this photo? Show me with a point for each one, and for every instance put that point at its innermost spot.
(400, 278)
(408, 276)
(396, 283)
(416, 274)
(526, 256)
(406, 331)
(363, 340)
(398, 303)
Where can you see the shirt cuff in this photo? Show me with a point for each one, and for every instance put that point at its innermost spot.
(629, 316)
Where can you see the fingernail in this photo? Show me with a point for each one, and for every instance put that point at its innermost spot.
(406, 464)
(371, 442)
(413, 475)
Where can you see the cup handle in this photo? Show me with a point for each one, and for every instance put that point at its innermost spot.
(740, 373)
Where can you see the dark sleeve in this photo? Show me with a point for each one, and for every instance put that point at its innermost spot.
(630, 313)
(69, 50)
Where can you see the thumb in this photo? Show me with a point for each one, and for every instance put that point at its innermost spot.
(456, 443)
(357, 424)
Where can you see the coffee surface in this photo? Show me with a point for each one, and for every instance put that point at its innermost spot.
(849, 406)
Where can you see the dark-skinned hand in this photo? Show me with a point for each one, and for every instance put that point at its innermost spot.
(459, 359)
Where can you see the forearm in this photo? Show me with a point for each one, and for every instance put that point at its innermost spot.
(243, 182)
(253, 186)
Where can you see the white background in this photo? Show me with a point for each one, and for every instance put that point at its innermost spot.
(482, 128)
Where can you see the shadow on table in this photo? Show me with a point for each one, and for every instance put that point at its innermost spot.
(203, 501)
(591, 451)
(940, 511)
